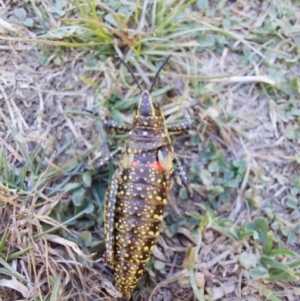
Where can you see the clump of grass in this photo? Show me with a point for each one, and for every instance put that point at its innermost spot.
(36, 213)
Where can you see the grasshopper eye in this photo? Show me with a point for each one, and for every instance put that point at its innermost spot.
(157, 111)
(155, 104)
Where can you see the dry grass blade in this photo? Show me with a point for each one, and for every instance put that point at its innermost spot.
(15, 285)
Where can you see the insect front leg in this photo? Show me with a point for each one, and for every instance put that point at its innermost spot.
(186, 125)
(108, 158)
(110, 124)
(110, 216)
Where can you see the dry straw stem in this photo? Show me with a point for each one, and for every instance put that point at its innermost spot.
(246, 79)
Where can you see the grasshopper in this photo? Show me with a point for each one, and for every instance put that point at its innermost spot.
(138, 190)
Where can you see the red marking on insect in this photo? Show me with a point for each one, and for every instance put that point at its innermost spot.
(134, 164)
(156, 165)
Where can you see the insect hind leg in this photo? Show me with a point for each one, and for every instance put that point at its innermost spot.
(110, 217)
(108, 158)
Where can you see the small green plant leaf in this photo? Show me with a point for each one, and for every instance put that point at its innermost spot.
(87, 180)
(292, 132)
(248, 260)
(259, 273)
(89, 209)
(89, 82)
(111, 19)
(57, 61)
(159, 265)
(20, 13)
(183, 194)
(55, 289)
(294, 265)
(282, 252)
(86, 238)
(202, 4)
(28, 22)
(58, 8)
(292, 238)
(260, 225)
(3, 240)
(206, 177)
(282, 275)
(292, 202)
(78, 197)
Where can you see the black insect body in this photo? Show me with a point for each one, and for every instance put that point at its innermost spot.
(138, 191)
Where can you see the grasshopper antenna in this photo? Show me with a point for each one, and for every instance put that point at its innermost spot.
(158, 71)
(130, 71)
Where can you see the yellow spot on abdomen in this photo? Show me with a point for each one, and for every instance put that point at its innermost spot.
(159, 217)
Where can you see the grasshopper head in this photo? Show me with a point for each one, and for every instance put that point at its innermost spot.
(146, 107)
